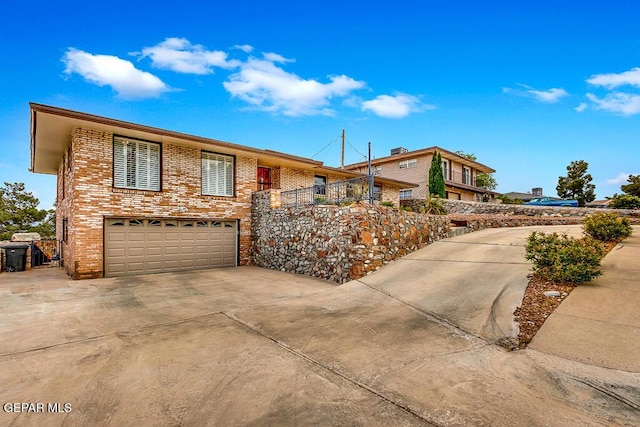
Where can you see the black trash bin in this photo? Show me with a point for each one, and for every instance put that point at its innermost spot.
(16, 257)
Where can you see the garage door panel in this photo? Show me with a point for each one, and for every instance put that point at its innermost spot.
(136, 246)
(155, 236)
(116, 237)
(171, 250)
(136, 251)
(154, 266)
(136, 236)
(155, 250)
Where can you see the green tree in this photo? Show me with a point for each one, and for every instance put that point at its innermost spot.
(633, 187)
(624, 201)
(436, 177)
(486, 181)
(19, 212)
(577, 184)
(469, 156)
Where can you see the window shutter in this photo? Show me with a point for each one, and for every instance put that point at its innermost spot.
(154, 167)
(119, 165)
(136, 164)
(217, 174)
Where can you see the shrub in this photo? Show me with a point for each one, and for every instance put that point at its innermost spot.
(564, 259)
(507, 201)
(624, 201)
(607, 227)
(406, 208)
(388, 204)
(433, 205)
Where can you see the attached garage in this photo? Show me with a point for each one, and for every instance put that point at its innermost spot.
(152, 245)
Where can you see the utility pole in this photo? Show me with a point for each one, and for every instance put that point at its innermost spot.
(342, 159)
(370, 176)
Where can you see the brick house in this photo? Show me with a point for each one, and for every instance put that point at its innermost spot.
(138, 199)
(413, 166)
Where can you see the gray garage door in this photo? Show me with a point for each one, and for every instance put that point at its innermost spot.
(140, 246)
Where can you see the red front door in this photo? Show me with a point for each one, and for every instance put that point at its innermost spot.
(264, 178)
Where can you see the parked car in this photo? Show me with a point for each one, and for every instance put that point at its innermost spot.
(546, 201)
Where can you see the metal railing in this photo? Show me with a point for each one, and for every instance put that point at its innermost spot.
(461, 178)
(336, 193)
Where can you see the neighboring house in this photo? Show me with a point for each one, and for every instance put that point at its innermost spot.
(459, 172)
(598, 203)
(138, 199)
(535, 193)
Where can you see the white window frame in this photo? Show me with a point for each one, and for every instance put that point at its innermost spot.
(136, 164)
(445, 169)
(466, 175)
(409, 163)
(406, 194)
(377, 170)
(218, 174)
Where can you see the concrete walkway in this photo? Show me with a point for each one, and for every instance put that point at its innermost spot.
(599, 323)
(248, 346)
(474, 281)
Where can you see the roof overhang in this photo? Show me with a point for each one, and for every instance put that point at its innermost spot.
(52, 127)
(424, 151)
(347, 174)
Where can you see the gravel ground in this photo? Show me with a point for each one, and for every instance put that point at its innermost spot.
(537, 307)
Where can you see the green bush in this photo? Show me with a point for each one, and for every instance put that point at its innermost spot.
(433, 205)
(507, 201)
(564, 259)
(624, 201)
(406, 208)
(388, 204)
(607, 227)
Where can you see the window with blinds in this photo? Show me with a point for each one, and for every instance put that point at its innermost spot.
(217, 174)
(136, 164)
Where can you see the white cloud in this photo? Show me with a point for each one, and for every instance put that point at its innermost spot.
(620, 179)
(580, 108)
(395, 107)
(121, 75)
(617, 102)
(275, 57)
(549, 96)
(268, 87)
(246, 48)
(179, 55)
(613, 80)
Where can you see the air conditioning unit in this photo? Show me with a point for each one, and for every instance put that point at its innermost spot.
(398, 150)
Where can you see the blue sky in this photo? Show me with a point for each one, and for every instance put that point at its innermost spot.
(525, 86)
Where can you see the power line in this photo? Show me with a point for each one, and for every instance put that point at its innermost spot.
(325, 147)
(355, 149)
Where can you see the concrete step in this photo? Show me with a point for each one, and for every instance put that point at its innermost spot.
(457, 231)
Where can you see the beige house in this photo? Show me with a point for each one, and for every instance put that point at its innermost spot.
(137, 199)
(459, 172)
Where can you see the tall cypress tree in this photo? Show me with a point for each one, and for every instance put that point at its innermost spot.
(436, 177)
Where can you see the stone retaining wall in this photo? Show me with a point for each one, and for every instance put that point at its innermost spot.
(479, 208)
(479, 222)
(333, 242)
(459, 207)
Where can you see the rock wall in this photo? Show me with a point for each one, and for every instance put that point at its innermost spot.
(459, 207)
(479, 222)
(479, 208)
(336, 243)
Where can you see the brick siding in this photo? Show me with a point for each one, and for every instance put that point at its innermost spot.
(89, 197)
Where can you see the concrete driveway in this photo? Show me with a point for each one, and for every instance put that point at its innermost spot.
(248, 346)
(474, 281)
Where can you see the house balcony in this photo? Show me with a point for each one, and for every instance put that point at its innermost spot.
(461, 180)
